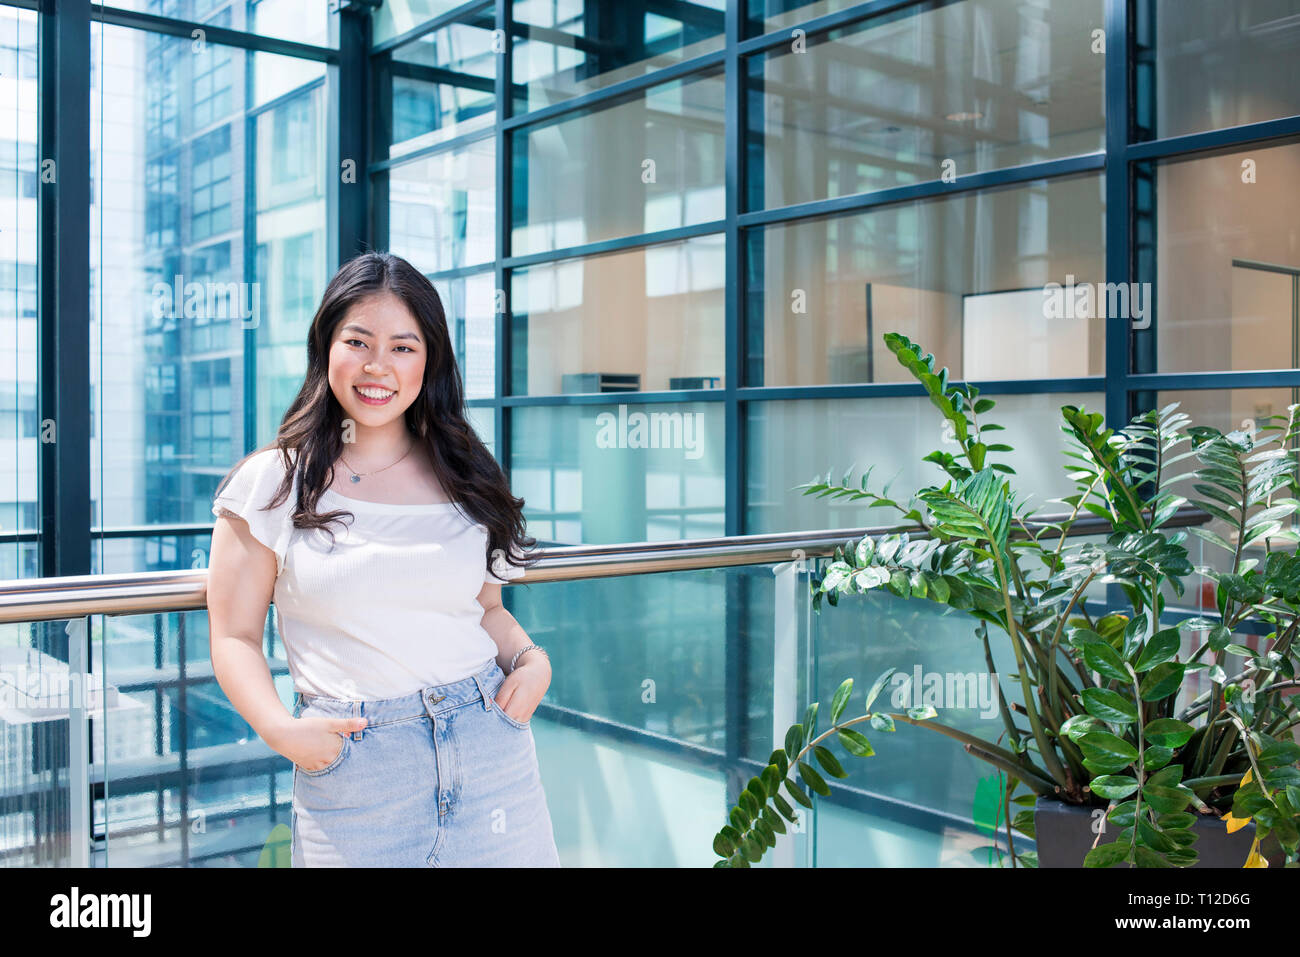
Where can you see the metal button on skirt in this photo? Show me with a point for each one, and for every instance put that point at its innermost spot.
(441, 777)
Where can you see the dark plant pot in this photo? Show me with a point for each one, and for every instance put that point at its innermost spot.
(1064, 834)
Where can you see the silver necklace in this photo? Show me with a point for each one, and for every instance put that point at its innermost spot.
(355, 477)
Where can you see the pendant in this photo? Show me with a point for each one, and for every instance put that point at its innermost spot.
(355, 479)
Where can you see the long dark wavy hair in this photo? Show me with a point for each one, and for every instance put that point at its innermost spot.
(312, 428)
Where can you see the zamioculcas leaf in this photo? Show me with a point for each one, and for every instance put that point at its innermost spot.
(794, 739)
(1255, 858)
(1113, 786)
(810, 720)
(779, 759)
(1168, 732)
(841, 699)
(1109, 706)
(1105, 660)
(784, 807)
(1079, 725)
(1235, 823)
(1161, 681)
(876, 689)
(1161, 648)
(813, 779)
(797, 793)
(855, 743)
(1105, 745)
(1165, 800)
(1156, 757)
(1122, 814)
(826, 758)
(773, 820)
(1106, 855)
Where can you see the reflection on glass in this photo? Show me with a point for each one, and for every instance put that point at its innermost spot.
(392, 18)
(183, 272)
(1215, 64)
(797, 441)
(767, 15)
(442, 208)
(1227, 266)
(232, 802)
(443, 85)
(966, 276)
(654, 162)
(304, 22)
(19, 425)
(646, 319)
(962, 88)
(640, 472)
(469, 303)
(562, 50)
(863, 637)
(1227, 410)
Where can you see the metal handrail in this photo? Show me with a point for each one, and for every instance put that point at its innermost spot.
(134, 593)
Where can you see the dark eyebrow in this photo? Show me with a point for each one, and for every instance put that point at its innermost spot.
(366, 332)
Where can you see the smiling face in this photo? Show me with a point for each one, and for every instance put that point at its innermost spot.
(378, 348)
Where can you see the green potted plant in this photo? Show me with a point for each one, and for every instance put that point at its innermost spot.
(1100, 724)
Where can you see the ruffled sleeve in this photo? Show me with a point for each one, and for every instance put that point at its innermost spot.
(247, 493)
(502, 571)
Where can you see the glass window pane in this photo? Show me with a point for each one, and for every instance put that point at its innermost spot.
(654, 162)
(644, 319)
(396, 17)
(178, 281)
(564, 49)
(643, 472)
(1220, 238)
(443, 85)
(1228, 410)
(19, 364)
(305, 22)
(442, 208)
(922, 94)
(767, 15)
(1206, 65)
(797, 441)
(964, 275)
(469, 303)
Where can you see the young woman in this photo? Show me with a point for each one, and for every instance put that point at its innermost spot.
(413, 686)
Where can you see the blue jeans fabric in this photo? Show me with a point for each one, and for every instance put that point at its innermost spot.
(441, 777)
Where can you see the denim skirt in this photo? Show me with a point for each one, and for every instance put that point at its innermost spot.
(441, 777)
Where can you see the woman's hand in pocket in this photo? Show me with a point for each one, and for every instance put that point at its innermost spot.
(314, 743)
(523, 689)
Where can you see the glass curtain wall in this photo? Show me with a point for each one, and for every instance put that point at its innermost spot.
(669, 239)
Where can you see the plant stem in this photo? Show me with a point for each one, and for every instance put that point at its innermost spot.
(1036, 725)
(1015, 763)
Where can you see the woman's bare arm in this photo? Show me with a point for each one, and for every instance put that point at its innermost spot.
(524, 687)
(241, 582)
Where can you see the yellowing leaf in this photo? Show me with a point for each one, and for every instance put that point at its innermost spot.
(1245, 778)
(1255, 859)
(1235, 823)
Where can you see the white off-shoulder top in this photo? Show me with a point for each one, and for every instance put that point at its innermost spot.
(390, 608)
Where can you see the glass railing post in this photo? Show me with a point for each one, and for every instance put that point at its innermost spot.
(790, 667)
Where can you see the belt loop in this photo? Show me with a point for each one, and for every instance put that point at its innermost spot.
(356, 712)
(487, 705)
